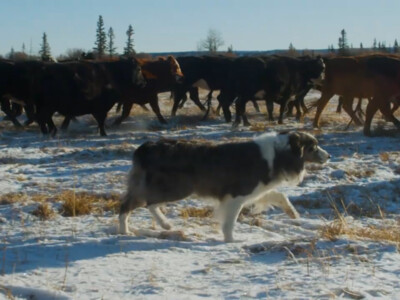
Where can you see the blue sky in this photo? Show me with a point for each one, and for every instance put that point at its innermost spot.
(178, 25)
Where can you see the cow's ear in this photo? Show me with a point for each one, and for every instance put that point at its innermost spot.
(296, 145)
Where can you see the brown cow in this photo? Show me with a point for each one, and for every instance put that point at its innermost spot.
(161, 76)
(372, 76)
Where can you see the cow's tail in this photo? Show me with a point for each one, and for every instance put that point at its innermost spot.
(208, 103)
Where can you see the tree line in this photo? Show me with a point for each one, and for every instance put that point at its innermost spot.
(104, 46)
(346, 49)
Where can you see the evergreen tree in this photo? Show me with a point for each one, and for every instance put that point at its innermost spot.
(44, 51)
(230, 49)
(395, 46)
(361, 46)
(101, 38)
(343, 44)
(374, 45)
(292, 50)
(11, 55)
(23, 48)
(128, 50)
(110, 45)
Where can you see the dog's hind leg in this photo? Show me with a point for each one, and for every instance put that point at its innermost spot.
(129, 203)
(159, 216)
(275, 198)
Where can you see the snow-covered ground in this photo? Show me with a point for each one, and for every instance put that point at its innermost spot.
(279, 258)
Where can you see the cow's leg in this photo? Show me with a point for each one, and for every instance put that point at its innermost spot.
(372, 108)
(228, 212)
(119, 106)
(156, 109)
(282, 109)
(126, 110)
(178, 96)
(386, 111)
(183, 101)
(290, 107)
(159, 216)
(322, 102)
(240, 112)
(339, 105)
(277, 199)
(6, 108)
(194, 95)
(65, 123)
(303, 106)
(255, 104)
(51, 126)
(42, 117)
(101, 118)
(224, 101)
(30, 114)
(270, 109)
(348, 108)
(208, 101)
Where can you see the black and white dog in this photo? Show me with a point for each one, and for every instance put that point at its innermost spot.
(235, 174)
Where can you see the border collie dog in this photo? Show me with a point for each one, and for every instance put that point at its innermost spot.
(235, 174)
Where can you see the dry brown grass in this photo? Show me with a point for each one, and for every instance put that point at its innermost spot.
(44, 212)
(12, 198)
(75, 204)
(194, 212)
(360, 172)
(259, 126)
(340, 226)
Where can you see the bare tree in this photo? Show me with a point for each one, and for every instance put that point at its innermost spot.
(212, 42)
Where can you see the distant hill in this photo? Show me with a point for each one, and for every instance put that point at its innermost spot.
(242, 53)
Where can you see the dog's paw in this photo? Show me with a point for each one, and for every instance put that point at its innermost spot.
(166, 225)
(293, 214)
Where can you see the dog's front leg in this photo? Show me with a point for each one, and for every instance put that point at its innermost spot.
(277, 199)
(159, 216)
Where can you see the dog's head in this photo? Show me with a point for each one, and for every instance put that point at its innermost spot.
(306, 146)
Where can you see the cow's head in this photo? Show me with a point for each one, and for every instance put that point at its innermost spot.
(315, 70)
(137, 75)
(175, 69)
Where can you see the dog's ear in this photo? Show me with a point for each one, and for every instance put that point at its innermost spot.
(295, 142)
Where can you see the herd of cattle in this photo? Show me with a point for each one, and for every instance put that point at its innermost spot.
(93, 87)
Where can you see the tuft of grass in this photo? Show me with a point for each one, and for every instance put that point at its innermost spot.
(384, 156)
(340, 226)
(194, 212)
(360, 172)
(259, 127)
(12, 198)
(44, 212)
(75, 204)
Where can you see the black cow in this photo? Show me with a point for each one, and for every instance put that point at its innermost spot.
(17, 81)
(272, 78)
(79, 88)
(207, 72)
